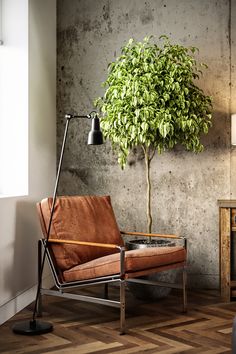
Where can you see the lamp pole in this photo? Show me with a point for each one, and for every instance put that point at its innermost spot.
(34, 326)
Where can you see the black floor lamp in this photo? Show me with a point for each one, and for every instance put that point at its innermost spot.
(33, 326)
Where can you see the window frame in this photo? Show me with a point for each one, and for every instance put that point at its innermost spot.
(1, 35)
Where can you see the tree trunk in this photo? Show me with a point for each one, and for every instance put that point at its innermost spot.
(149, 211)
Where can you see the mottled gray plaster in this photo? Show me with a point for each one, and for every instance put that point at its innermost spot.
(186, 187)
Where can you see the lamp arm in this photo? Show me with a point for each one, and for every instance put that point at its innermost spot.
(57, 177)
(68, 118)
(88, 116)
(33, 326)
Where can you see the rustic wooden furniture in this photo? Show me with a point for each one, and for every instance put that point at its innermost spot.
(85, 248)
(227, 240)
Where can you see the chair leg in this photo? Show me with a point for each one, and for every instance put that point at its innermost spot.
(122, 307)
(184, 289)
(106, 291)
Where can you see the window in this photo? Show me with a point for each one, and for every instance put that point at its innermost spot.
(1, 38)
(14, 99)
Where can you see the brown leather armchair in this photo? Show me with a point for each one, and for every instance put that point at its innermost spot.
(85, 247)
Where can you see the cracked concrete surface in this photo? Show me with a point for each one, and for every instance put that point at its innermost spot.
(185, 186)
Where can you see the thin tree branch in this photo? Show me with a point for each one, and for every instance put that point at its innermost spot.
(144, 150)
(153, 153)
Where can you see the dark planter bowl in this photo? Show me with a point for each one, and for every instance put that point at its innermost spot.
(143, 243)
(151, 292)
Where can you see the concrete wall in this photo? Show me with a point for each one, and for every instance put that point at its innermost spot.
(19, 226)
(186, 187)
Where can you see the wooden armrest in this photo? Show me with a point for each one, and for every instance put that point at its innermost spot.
(84, 243)
(149, 235)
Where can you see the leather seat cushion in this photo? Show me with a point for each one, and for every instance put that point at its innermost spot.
(135, 260)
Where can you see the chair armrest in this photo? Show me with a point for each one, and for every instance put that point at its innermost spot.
(95, 244)
(149, 235)
(84, 243)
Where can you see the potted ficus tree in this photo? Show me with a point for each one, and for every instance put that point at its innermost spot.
(152, 101)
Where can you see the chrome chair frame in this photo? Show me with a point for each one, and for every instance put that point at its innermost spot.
(118, 278)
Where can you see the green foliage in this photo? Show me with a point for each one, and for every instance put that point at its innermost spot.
(151, 99)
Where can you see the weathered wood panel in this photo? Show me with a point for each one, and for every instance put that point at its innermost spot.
(152, 327)
(225, 234)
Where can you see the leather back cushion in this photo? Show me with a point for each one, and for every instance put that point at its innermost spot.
(82, 218)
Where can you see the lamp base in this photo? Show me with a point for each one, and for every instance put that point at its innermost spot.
(31, 328)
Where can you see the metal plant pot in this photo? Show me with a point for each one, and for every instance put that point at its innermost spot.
(151, 292)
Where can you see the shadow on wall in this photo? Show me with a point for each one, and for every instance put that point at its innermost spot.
(219, 134)
(22, 275)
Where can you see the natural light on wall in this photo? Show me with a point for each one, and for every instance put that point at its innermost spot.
(233, 129)
(13, 98)
(1, 40)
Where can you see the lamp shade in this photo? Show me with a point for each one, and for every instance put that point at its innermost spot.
(233, 129)
(95, 135)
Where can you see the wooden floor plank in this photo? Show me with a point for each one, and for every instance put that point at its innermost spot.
(152, 327)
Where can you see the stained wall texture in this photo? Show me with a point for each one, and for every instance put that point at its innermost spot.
(185, 186)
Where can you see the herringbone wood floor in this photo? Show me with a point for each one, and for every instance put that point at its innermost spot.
(153, 327)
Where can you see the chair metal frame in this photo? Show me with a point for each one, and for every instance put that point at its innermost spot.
(120, 278)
